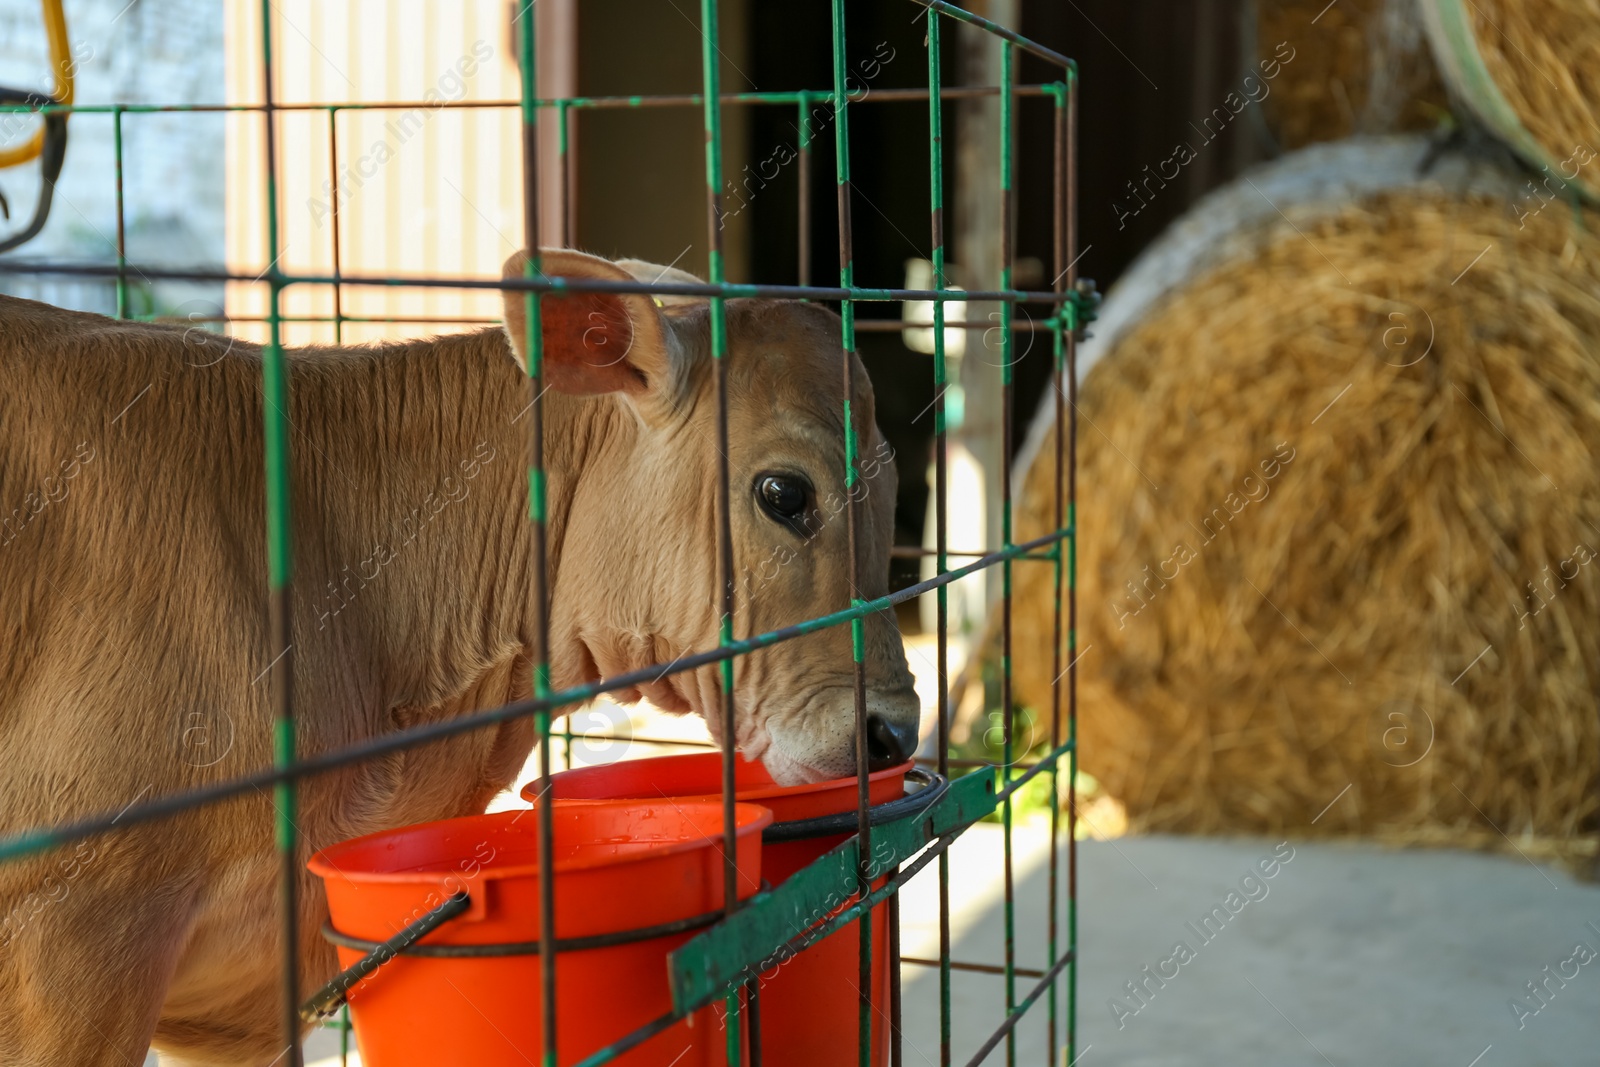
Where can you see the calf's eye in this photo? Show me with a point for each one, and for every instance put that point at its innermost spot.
(784, 498)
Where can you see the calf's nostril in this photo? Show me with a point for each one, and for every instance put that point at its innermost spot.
(889, 743)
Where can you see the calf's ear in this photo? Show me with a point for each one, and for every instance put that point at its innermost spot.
(645, 271)
(594, 342)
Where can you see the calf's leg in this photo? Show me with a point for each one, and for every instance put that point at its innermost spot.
(86, 953)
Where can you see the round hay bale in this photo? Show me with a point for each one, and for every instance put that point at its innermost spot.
(1530, 71)
(1340, 511)
(1358, 67)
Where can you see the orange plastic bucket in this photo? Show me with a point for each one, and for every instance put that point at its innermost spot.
(620, 866)
(809, 1004)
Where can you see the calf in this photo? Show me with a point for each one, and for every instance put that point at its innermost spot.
(135, 656)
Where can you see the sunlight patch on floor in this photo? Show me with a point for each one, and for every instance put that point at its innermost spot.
(977, 884)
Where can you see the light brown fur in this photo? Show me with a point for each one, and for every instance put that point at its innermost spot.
(133, 604)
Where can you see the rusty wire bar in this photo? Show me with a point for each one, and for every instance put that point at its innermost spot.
(564, 151)
(568, 228)
(333, 199)
(899, 326)
(580, 103)
(1070, 165)
(695, 742)
(544, 284)
(1063, 266)
(387, 320)
(29, 842)
(1011, 36)
(1008, 1028)
(896, 1038)
(862, 326)
(972, 968)
(803, 177)
(918, 552)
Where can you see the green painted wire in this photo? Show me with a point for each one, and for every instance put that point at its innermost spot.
(711, 96)
(537, 509)
(1007, 357)
(275, 386)
(940, 379)
(122, 250)
(280, 558)
(847, 315)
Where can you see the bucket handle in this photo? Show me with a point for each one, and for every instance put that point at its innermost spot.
(845, 822)
(328, 999)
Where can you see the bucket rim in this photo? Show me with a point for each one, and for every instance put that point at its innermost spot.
(748, 818)
(529, 792)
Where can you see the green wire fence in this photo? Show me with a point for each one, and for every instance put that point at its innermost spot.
(723, 962)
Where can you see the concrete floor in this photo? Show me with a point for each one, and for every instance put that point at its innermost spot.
(1353, 955)
(1349, 954)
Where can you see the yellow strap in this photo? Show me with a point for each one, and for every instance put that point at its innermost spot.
(61, 62)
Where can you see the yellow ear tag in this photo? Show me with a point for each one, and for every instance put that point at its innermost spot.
(656, 300)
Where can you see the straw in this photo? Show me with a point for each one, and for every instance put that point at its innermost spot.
(1544, 55)
(1358, 67)
(1349, 653)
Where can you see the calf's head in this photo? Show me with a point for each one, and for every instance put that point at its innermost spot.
(637, 580)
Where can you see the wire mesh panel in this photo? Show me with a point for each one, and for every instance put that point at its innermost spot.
(860, 880)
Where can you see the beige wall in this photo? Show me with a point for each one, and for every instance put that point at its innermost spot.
(438, 190)
(434, 190)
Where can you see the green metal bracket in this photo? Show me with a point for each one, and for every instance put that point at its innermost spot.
(1082, 307)
(735, 949)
